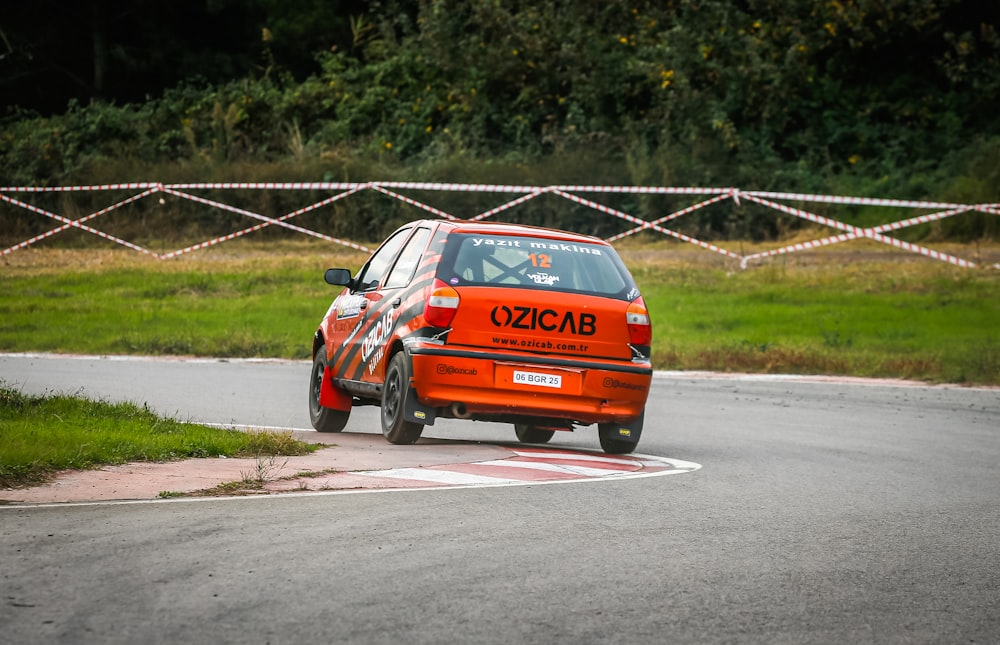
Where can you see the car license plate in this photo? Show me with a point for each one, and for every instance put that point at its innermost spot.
(537, 378)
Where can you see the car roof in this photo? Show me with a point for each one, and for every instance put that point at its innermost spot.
(503, 228)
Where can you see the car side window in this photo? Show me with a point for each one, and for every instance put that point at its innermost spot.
(409, 258)
(371, 274)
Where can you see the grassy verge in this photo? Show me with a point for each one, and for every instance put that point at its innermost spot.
(915, 320)
(859, 313)
(41, 435)
(109, 302)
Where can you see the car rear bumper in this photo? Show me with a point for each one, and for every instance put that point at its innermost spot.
(500, 383)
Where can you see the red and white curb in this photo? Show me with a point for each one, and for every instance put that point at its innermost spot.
(525, 466)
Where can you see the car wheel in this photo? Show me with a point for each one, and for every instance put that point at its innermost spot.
(323, 419)
(395, 427)
(531, 434)
(609, 434)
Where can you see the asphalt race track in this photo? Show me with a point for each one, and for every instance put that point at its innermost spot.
(824, 512)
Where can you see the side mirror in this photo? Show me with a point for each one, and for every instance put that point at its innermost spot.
(338, 277)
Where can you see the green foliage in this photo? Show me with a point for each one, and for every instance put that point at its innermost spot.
(885, 98)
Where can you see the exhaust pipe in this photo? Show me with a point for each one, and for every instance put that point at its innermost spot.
(459, 411)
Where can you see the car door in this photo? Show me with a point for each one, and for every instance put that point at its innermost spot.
(360, 312)
(386, 315)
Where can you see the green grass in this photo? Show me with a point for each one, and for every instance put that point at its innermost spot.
(41, 435)
(914, 320)
(888, 315)
(142, 311)
(112, 302)
(884, 317)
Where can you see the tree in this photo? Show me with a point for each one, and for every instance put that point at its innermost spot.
(128, 50)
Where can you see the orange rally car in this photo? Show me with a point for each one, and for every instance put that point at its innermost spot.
(494, 322)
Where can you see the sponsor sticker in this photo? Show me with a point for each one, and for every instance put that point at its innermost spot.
(354, 332)
(536, 244)
(348, 306)
(531, 318)
(378, 333)
(452, 369)
(495, 241)
(538, 379)
(610, 382)
(544, 278)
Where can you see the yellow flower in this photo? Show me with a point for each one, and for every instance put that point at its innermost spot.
(388, 145)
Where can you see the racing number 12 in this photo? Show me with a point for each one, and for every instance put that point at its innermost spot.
(540, 260)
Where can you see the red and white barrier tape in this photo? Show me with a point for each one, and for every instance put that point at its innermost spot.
(265, 222)
(854, 232)
(415, 203)
(667, 218)
(762, 198)
(645, 224)
(68, 224)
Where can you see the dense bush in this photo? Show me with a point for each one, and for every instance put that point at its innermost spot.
(890, 98)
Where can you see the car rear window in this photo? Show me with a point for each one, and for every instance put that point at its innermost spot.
(534, 263)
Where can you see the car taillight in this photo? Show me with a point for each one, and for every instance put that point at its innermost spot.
(640, 331)
(441, 305)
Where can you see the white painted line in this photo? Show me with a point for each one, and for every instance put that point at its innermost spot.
(438, 476)
(555, 468)
(679, 465)
(575, 456)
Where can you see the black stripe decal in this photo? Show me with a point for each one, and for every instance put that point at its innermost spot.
(374, 312)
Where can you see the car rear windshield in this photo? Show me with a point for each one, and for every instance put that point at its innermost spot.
(535, 263)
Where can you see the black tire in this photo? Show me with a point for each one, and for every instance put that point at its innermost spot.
(395, 427)
(531, 434)
(323, 419)
(611, 444)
